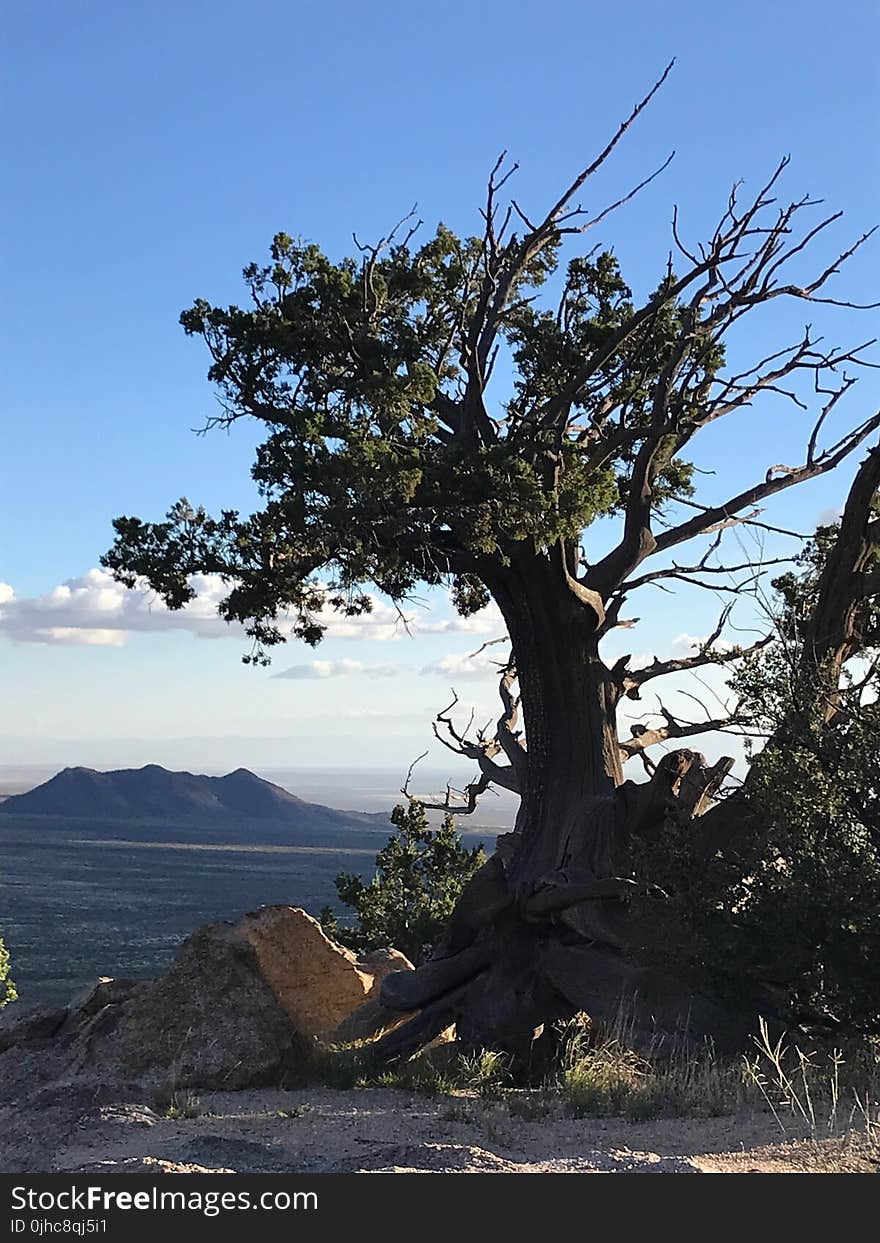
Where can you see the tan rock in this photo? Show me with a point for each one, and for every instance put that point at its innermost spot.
(210, 1021)
(380, 963)
(316, 982)
(372, 1018)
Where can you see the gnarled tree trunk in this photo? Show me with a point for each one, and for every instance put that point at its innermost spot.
(544, 929)
(569, 702)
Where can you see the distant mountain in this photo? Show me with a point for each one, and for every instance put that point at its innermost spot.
(154, 793)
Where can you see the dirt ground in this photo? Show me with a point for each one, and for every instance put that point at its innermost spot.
(385, 1131)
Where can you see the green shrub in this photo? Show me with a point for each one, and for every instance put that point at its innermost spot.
(796, 904)
(419, 876)
(7, 987)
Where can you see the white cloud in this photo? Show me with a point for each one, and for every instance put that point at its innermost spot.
(317, 670)
(486, 621)
(93, 609)
(468, 666)
(689, 645)
(83, 636)
(686, 644)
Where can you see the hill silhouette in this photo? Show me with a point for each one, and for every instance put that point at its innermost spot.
(157, 794)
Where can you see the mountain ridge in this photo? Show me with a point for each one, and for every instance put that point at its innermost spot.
(156, 793)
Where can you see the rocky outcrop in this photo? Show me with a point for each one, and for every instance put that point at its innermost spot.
(241, 1006)
(210, 1021)
(29, 1024)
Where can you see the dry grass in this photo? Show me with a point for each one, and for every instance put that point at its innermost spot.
(604, 1077)
(179, 1103)
(827, 1093)
(833, 1092)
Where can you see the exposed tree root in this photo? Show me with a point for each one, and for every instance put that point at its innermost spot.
(514, 963)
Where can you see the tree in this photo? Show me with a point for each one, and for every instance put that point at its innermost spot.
(419, 877)
(797, 903)
(389, 461)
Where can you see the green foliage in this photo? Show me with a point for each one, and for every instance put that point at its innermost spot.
(796, 589)
(809, 913)
(419, 876)
(7, 987)
(797, 905)
(377, 470)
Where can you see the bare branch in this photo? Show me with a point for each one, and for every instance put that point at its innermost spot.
(483, 748)
(633, 680)
(452, 802)
(504, 266)
(641, 737)
(747, 520)
(710, 518)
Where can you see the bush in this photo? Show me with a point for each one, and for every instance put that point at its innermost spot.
(797, 904)
(419, 876)
(7, 987)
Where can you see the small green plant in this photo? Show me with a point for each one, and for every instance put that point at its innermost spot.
(180, 1103)
(486, 1073)
(421, 1075)
(419, 876)
(331, 1066)
(8, 990)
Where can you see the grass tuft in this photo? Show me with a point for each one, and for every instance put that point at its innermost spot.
(179, 1103)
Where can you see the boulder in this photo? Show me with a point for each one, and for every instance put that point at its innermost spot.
(28, 1024)
(373, 1018)
(380, 963)
(210, 1021)
(242, 1004)
(91, 1000)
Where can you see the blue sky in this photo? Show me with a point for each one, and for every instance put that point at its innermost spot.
(154, 148)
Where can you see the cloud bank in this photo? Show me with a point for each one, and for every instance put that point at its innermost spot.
(94, 610)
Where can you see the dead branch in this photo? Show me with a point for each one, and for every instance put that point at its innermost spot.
(631, 681)
(642, 737)
(708, 519)
(455, 802)
(482, 748)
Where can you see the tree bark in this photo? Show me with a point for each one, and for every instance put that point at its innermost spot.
(568, 703)
(832, 633)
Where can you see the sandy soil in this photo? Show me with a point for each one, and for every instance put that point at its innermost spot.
(378, 1131)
